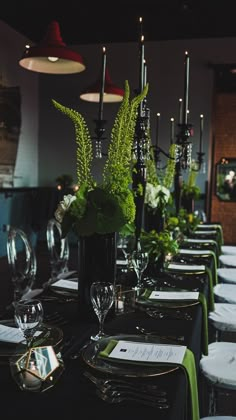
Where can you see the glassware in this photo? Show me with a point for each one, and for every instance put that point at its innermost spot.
(28, 317)
(22, 262)
(58, 249)
(139, 261)
(102, 297)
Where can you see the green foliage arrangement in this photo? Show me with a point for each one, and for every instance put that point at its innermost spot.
(107, 207)
(189, 187)
(158, 244)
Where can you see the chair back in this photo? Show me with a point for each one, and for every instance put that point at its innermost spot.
(22, 261)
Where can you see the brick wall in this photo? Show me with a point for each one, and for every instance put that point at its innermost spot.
(224, 146)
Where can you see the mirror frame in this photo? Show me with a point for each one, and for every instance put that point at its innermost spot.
(225, 179)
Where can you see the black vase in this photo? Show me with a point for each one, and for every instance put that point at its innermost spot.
(97, 262)
(188, 204)
(154, 220)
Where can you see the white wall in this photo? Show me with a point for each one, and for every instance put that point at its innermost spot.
(11, 48)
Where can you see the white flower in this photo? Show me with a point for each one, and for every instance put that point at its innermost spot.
(63, 206)
(156, 195)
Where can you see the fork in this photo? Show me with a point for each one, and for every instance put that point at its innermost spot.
(130, 396)
(100, 382)
(178, 339)
(157, 314)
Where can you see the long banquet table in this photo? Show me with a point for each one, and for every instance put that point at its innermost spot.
(74, 393)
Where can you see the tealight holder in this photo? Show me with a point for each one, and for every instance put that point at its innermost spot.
(37, 369)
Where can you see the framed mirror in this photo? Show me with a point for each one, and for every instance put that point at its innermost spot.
(226, 179)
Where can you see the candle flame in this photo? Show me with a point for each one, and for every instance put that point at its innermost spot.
(201, 116)
(142, 38)
(180, 99)
(186, 52)
(172, 119)
(158, 114)
(104, 49)
(140, 19)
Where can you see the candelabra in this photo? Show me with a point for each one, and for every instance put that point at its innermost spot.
(140, 145)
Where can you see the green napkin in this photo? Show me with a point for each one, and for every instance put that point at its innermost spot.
(188, 367)
(211, 291)
(203, 302)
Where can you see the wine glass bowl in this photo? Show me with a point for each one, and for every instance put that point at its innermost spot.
(28, 317)
(102, 296)
(139, 262)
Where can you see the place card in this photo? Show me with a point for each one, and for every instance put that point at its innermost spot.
(71, 284)
(186, 267)
(148, 352)
(160, 295)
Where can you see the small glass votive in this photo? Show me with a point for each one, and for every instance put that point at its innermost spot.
(124, 300)
(37, 369)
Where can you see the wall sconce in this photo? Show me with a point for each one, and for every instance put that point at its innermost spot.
(51, 55)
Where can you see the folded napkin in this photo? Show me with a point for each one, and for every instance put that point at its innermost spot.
(202, 300)
(188, 367)
(200, 253)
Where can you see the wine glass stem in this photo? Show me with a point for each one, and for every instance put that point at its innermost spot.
(101, 324)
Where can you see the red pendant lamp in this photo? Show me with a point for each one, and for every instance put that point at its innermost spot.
(51, 55)
(112, 93)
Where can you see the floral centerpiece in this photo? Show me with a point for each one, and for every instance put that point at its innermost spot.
(189, 190)
(157, 194)
(97, 211)
(109, 206)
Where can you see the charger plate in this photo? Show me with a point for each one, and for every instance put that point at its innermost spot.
(50, 336)
(90, 355)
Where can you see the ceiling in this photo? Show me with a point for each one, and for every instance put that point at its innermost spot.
(100, 21)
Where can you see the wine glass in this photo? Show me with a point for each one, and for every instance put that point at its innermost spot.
(139, 262)
(102, 296)
(28, 317)
(58, 248)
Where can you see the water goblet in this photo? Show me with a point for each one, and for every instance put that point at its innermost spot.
(139, 262)
(28, 316)
(102, 296)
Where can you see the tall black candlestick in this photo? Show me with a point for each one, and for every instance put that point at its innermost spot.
(157, 129)
(186, 88)
(141, 64)
(172, 130)
(145, 73)
(201, 132)
(180, 110)
(100, 110)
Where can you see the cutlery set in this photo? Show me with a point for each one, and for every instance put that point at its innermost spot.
(118, 390)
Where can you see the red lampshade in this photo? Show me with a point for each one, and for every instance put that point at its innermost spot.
(112, 93)
(51, 55)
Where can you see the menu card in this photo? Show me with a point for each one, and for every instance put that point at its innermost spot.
(194, 251)
(71, 284)
(121, 262)
(148, 352)
(200, 241)
(204, 232)
(159, 295)
(186, 267)
(12, 334)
